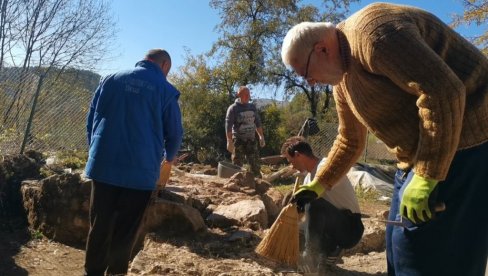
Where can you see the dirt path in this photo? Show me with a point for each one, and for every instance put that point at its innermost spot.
(210, 254)
(41, 257)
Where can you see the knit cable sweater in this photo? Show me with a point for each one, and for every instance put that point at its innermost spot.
(414, 83)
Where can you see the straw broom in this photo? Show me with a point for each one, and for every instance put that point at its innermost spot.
(281, 242)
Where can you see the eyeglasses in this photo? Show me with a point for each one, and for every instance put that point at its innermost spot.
(308, 63)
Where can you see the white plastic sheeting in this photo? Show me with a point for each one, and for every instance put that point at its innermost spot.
(373, 177)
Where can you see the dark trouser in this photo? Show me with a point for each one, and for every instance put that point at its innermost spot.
(330, 228)
(115, 215)
(247, 151)
(456, 241)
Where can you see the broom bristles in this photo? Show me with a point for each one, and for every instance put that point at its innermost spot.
(281, 244)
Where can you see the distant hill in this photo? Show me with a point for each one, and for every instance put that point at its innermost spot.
(89, 79)
(260, 103)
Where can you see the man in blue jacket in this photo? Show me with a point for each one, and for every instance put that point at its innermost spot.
(134, 121)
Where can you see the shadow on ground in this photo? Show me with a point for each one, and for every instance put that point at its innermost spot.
(13, 235)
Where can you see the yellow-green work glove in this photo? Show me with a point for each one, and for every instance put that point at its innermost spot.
(414, 204)
(307, 193)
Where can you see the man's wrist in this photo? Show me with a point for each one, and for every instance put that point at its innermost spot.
(316, 187)
(431, 183)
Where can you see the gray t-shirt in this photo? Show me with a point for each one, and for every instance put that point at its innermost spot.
(243, 119)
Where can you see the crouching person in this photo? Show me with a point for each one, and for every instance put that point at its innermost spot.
(332, 218)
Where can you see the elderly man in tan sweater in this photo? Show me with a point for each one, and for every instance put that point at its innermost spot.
(420, 87)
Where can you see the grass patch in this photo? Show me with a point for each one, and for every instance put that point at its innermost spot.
(368, 195)
(36, 234)
(284, 188)
(73, 159)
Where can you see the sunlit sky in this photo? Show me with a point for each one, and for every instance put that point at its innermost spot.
(180, 25)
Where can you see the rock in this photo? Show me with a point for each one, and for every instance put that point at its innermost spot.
(240, 236)
(164, 215)
(57, 206)
(262, 186)
(13, 170)
(232, 186)
(243, 213)
(373, 239)
(272, 200)
(244, 179)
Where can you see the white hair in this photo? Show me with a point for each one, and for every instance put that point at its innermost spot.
(301, 38)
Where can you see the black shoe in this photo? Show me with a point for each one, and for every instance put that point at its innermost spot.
(334, 257)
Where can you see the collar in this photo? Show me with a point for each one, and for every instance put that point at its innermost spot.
(344, 49)
(150, 65)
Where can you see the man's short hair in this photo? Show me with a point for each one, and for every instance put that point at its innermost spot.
(241, 90)
(296, 144)
(158, 56)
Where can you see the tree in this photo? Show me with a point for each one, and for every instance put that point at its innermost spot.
(47, 35)
(204, 104)
(248, 52)
(249, 28)
(9, 12)
(475, 11)
(252, 31)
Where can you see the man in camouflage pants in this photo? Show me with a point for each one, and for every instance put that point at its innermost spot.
(242, 122)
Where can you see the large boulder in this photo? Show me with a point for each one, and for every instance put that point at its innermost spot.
(58, 207)
(13, 170)
(250, 212)
(272, 200)
(164, 215)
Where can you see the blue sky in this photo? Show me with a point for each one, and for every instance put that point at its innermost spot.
(176, 25)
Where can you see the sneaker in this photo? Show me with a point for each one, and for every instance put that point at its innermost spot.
(334, 257)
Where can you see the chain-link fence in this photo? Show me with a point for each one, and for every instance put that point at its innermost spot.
(321, 137)
(44, 111)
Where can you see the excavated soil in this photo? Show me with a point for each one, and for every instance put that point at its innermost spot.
(211, 253)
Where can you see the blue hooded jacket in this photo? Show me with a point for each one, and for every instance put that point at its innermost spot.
(134, 120)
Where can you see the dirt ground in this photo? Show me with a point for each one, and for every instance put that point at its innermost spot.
(211, 253)
(21, 253)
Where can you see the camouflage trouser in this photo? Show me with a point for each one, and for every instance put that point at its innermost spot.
(247, 151)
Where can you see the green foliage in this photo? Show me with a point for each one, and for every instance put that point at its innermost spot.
(204, 103)
(296, 112)
(36, 234)
(45, 172)
(248, 52)
(273, 131)
(475, 12)
(73, 159)
(284, 188)
(250, 30)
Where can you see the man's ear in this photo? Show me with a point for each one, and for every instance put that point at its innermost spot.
(166, 67)
(321, 46)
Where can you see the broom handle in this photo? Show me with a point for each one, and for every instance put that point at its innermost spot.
(297, 183)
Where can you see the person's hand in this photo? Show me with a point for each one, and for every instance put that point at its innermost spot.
(230, 146)
(307, 193)
(414, 204)
(164, 173)
(262, 143)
